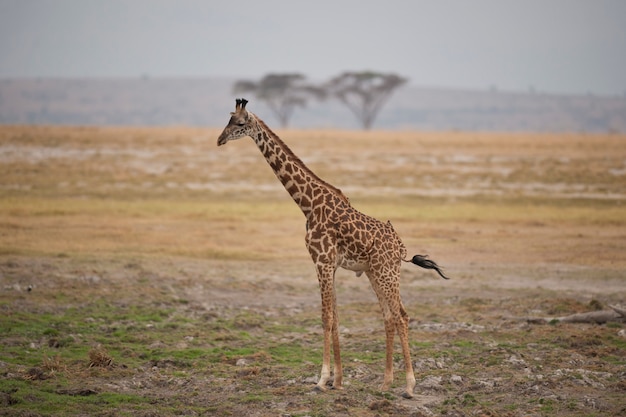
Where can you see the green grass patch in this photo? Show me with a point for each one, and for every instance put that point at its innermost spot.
(293, 354)
(50, 399)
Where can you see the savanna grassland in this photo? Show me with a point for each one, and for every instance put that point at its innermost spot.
(146, 272)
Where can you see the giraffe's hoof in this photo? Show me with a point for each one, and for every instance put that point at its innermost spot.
(319, 388)
(407, 395)
(337, 387)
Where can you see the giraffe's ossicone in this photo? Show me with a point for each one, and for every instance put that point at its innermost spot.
(338, 235)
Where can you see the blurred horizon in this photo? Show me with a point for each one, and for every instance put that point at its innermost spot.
(207, 102)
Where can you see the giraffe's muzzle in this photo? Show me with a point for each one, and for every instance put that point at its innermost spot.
(222, 140)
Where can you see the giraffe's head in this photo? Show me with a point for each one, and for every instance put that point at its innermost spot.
(241, 123)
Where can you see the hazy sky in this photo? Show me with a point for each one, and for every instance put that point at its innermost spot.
(570, 46)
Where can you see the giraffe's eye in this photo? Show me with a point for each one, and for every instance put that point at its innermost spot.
(241, 124)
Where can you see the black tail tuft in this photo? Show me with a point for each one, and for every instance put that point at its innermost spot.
(426, 263)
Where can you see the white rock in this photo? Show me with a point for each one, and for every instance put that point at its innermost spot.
(456, 379)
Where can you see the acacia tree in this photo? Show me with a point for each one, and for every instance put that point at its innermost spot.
(364, 93)
(282, 93)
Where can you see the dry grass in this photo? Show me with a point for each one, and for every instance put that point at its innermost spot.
(172, 191)
(100, 358)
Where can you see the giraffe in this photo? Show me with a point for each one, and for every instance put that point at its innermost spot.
(338, 235)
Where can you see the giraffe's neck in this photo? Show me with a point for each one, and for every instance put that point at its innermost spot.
(306, 188)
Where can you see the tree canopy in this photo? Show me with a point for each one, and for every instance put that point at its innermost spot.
(282, 93)
(364, 93)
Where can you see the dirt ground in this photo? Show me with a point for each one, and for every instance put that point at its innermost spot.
(144, 272)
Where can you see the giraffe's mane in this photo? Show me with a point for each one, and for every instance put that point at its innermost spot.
(295, 158)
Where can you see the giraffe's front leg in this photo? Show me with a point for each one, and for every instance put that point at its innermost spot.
(325, 374)
(330, 324)
(338, 371)
(330, 333)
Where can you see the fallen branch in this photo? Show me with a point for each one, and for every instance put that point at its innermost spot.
(616, 314)
(619, 310)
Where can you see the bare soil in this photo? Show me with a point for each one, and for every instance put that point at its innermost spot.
(145, 273)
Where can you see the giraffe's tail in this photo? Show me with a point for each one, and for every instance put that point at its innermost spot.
(424, 262)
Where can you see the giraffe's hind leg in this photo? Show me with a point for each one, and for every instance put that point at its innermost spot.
(402, 326)
(390, 330)
(387, 289)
